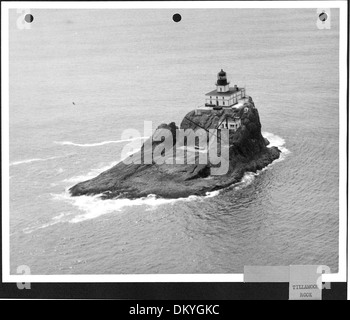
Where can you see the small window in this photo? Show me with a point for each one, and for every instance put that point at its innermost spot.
(224, 102)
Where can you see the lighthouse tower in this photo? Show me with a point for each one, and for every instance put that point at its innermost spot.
(224, 96)
(222, 85)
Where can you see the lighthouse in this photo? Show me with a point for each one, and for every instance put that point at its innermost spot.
(222, 85)
(224, 96)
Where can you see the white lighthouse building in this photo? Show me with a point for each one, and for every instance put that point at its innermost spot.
(231, 123)
(224, 96)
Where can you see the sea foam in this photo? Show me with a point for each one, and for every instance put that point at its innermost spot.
(97, 144)
(93, 207)
(55, 220)
(16, 163)
(275, 141)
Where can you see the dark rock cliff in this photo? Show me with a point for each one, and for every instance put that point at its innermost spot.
(247, 151)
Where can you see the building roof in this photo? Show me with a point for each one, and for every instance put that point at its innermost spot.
(231, 91)
(222, 73)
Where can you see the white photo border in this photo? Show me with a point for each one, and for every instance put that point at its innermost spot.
(341, 276)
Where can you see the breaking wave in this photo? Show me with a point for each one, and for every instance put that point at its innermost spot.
(275, 141)
(88, 145)
(16, 163)
(58, 219)
(93, 207)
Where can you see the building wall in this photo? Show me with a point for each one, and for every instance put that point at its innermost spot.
(223, 88)
(221, 102)
(226, 101)
(232, 124)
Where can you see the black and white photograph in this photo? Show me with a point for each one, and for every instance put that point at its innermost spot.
(179, 142)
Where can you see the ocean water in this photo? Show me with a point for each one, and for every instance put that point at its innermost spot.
(121, 68)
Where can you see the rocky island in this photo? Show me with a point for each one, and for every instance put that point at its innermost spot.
(229, 113)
